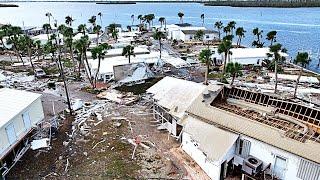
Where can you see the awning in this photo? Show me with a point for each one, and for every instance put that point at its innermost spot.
(213, 141)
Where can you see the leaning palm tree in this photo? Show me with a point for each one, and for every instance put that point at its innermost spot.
(49, 15)
(272, 37)
(240, 33)
(303, 60)
(219, 26)
(275, 54)
(202, 18)
(98, 53)
(100, 16)
(128, 51)
(234, 69)
(180, 15)
(132, 19)
(159, 35)
(205, 57)
(224, 47)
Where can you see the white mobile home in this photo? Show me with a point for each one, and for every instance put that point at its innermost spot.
(20, 112)
(245, 133)
(190, 35)
(253, 56)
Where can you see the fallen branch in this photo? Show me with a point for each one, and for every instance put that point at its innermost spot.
(98, 143)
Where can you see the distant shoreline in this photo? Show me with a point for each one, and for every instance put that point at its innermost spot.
(262, 4)
(8, 5)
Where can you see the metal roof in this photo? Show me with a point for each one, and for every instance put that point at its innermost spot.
(13, 102)
(262, 132)
(213, 141)
(176, 94)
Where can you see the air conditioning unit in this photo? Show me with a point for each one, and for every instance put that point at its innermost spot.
(252, 165)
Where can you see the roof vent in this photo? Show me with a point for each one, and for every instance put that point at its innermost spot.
(206, 94)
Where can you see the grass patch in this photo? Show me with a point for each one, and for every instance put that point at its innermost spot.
(139, 88)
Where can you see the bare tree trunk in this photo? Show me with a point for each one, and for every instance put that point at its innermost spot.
(276, 75)
(29, 53)
(96, 76)
(296, 87)
(89, 69)
(233, 77)
(206, 74)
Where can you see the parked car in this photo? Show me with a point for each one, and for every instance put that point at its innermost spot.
(39, 73)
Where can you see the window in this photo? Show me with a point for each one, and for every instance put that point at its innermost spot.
(243, 148)
(207, 36)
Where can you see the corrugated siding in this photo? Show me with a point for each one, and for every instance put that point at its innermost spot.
(308, 170)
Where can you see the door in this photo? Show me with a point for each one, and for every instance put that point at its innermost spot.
(26, 120)
(280, 167)
(11, 134)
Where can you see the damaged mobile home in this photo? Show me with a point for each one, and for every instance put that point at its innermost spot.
(20, 112)
(236, 132)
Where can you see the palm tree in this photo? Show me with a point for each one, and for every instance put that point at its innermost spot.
(98, 52)
(272, 37)
(159, 35)
(205, 57)
(14, 33)
(3, 33)
(97, 30)
(224, 47)
(100, 16)
(180, 14)
(199, 35)
(38, 47)
(219, 26)
(162, 20)
(49, 15)
(69, 21)
(128, 51)
(140, 17)
(29, 44)
(275, 53)
(227, 30)
(82, 29)
(240, 33)
(81, 46)
(234, 69)
(132, 19)
(58, 47)
(113, 31)
(92, 21)
(149, 19)
(258, 33)
(47, 28)
(202, 18)
(232, 26)
(303, 60)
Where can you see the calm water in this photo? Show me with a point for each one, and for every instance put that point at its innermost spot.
(298, 28)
